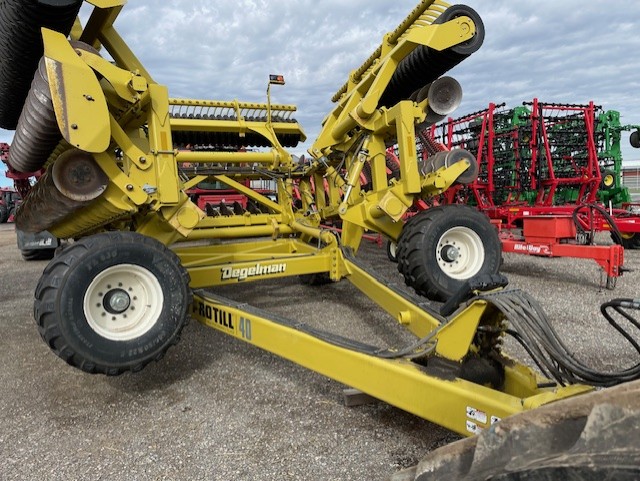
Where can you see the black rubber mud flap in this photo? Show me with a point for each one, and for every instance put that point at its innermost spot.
(40, 240)
(40, 246)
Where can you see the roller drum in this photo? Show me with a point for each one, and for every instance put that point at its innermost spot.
(21, 47)
(77, 176)
(444, 95)
(44, 206)
(231, 139)
(423, 65)
(449, 158)
(73, 182)
(37, 133)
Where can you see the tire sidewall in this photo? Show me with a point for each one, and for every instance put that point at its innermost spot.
(96, 348)
(630, 242)
(464, 218)
(429, 279)
(608, 174)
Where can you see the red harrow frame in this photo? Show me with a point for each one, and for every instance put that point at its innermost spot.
(542, 170)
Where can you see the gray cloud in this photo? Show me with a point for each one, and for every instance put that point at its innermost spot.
(570, 51)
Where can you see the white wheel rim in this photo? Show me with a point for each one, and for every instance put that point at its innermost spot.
(123, 302)
(460, 253)
(393, 247)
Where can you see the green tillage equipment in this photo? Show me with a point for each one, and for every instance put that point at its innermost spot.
(524, 150)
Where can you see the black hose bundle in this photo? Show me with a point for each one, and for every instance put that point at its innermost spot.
(532, 329)
(615, 232)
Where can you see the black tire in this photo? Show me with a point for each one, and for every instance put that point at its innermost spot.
(473, 44)
(608, 180)
(627, 240)
(38, 254)
(441, 248)
(122, 270)
(586, 437)
(37, 132)
(4, 214)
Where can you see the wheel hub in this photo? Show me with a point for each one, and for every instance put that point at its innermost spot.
(123, 302)
(460, 253)
(116, 301)
(450, 253)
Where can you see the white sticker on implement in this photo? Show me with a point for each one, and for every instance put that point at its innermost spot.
(495, 419)
(477, 415)
(473, 428)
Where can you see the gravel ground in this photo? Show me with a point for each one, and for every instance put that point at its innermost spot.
(218, 409)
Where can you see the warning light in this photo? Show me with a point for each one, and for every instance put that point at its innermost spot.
(276, 79)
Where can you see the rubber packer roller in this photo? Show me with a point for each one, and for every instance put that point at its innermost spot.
(21, 47)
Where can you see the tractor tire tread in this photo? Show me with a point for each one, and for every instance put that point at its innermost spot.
(53, 276)
(414, 261)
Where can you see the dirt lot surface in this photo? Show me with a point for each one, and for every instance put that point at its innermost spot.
(217, 409)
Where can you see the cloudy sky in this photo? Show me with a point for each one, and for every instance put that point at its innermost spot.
(571, 51)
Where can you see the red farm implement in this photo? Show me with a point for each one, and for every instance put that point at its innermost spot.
(549, 176)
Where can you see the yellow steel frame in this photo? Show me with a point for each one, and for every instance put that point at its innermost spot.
(462, 406)
(147, 191)
(129, 127)
(445, 399)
